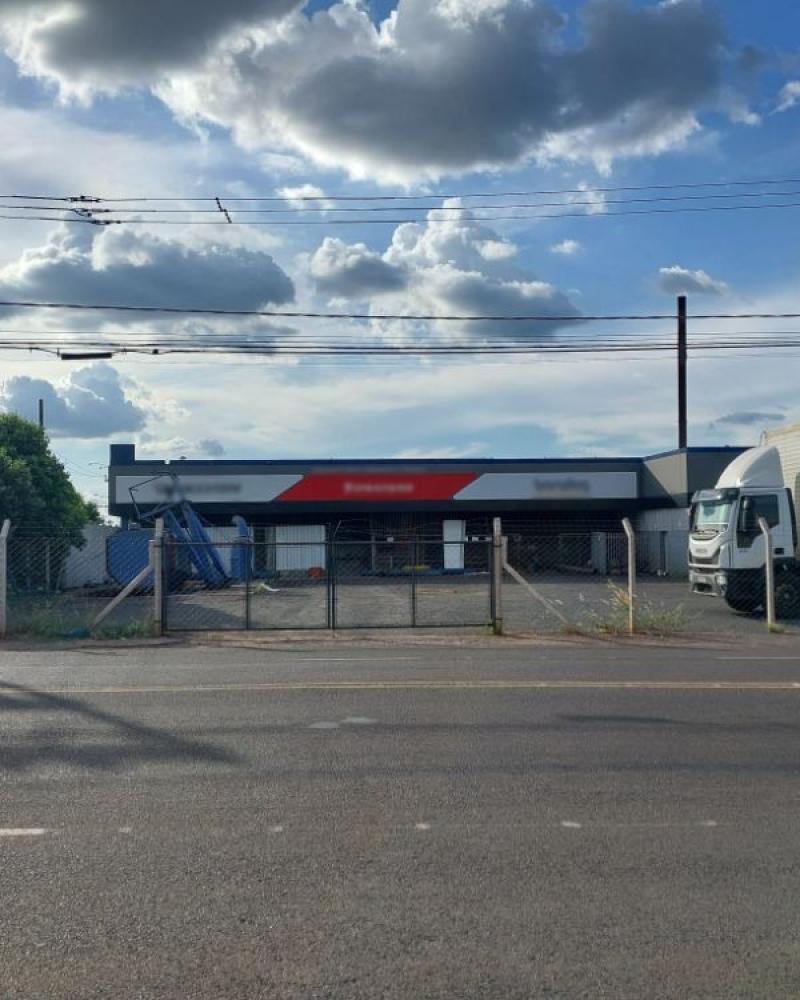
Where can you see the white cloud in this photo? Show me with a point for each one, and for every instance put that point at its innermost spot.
(469, 450)
(789, 96)
(211, 447)
(109, 44)
(496, 249)
(567, 248)
(677, 280)
(592, 201)
(94, 402)
(439, 268)
(371, 98)
(751, 418)
(122, 266)
(354, 271)
(306, 196)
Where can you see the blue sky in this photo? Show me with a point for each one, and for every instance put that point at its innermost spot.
(268, 96)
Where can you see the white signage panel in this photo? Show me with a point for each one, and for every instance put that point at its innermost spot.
(202, 488)
(552, 486)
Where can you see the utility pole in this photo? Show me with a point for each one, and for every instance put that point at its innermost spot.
(682, 421)
(41, 414)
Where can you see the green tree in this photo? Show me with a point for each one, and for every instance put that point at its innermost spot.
(35, 490)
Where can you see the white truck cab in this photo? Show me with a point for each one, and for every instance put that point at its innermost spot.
(726, 546)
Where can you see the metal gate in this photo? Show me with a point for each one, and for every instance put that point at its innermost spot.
(414, 583)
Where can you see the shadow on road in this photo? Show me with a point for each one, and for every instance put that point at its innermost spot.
(130, 743)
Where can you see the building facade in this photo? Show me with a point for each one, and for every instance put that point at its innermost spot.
(437, 501)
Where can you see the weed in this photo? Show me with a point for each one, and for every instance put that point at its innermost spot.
(649, 617)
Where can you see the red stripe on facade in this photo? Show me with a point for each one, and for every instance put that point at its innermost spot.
(377, 488)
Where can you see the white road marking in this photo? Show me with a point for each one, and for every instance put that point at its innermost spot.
(758, 659)
(324, 725)
(278, 828)
(709, 822)
(30, 831)
(422, 826)
(359, 720)
(570, 825)
(125, 829)
(347, 659)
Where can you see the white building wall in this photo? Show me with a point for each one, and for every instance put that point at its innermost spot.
(86, 567)
(787, 441)
(304, 547)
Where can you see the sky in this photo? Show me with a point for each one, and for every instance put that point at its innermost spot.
(445, 98)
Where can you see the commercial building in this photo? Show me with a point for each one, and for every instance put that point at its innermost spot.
(438, 500)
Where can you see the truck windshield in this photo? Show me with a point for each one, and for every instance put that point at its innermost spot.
(711, 514)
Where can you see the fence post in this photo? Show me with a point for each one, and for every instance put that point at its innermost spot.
(497, 576)
(332, 588)
(631, 536)
(769, 573)
(157, 562)
(248, 581)
(4, 575)
(414, 561)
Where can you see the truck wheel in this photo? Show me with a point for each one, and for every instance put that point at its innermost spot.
(742, 604)
(787, 598)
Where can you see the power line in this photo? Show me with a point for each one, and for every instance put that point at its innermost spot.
(412, 351)
(464, 318)
(87, 213)
(91, 199)
(361, 221)
(377, 364)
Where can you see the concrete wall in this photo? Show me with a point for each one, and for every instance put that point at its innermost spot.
(663, 539)
(664, 477)
(86, 567)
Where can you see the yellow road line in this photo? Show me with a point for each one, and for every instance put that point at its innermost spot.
(437, 685)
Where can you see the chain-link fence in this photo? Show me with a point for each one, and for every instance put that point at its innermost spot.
(578, 581)
(56, 588)
(561, 581)
(318, 585)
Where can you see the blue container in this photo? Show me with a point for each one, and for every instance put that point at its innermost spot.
(127, 554)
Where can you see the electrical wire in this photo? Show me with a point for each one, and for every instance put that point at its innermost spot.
(418, 317)
(412, 351)
(361, 221)
(90, 199)
(86, 213)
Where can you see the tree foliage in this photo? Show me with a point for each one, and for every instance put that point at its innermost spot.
(35, 490)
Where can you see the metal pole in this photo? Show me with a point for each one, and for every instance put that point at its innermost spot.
(332, 590)
(629, 532)
(682, 405)
(157, 561)
(248, 574)
(497, 576)
(769, 572)
(41, 414)
(414, 561)
(4, 574)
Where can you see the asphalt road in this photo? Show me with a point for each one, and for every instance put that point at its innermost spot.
(424, 822)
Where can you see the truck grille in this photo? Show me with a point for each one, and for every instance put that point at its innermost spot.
(704, 561)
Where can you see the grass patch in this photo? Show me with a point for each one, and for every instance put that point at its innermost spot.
(68, 616)
(649, 618)
(126, 630)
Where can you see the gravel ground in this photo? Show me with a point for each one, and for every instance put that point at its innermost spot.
(565, 603)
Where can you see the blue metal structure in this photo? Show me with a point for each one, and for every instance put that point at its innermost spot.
(181, 521)
(242, 561)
